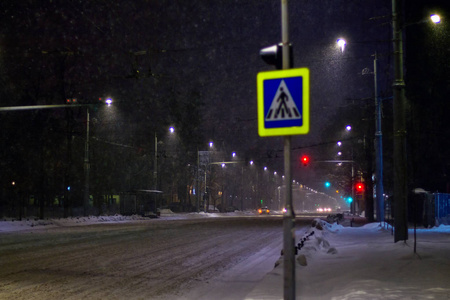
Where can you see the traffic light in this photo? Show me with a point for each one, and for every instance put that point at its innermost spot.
(359, 187)
(273, 55)
(349, 199)
(327, 184)
(305, 160)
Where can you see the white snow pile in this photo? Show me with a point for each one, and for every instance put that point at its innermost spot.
(343, 263)
(9, 224)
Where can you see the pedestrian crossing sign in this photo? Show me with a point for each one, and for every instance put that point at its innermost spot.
(283, 102)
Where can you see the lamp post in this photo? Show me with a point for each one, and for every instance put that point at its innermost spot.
(378, 143)
(203, 157)
(400, 163)
(86, 167)
(378, 147)
(155, 165)
(155, 159)
(378, 139)
(353, 203)
(86, 149)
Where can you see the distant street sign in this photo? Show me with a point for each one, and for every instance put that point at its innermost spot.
(283, 102)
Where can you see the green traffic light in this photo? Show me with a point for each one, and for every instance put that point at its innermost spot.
(349, 199)
(327, 184)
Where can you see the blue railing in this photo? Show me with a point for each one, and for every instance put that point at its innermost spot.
(442, 207)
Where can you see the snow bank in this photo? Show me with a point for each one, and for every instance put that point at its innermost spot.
(340, 263)
(9, 225)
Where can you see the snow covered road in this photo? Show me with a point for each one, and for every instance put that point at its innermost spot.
(162, 259)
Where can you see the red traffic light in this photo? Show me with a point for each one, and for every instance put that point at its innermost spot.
(305, 160)
(359, 187)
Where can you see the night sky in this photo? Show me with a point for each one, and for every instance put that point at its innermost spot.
(193, 64)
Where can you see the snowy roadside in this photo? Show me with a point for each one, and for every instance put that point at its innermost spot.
(31, 223)
(339, 262)
(335, 262)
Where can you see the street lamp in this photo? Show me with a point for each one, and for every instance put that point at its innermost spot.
(155, 162)
(435, 18)
(348, 128)
(378, 144)
(400, 161)
(87, 165)
(71, 103)
(341, 43)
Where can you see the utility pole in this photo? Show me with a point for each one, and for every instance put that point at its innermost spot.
(289, 216)
(155, 165)
(378, 147)
(400, 164)
(273, 93)
(86, 167)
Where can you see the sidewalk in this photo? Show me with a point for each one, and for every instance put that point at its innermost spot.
(364, 263)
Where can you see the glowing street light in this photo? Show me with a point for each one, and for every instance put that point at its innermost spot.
(435, 18)
(341, 44)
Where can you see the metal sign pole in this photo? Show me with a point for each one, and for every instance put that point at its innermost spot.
(289, 217)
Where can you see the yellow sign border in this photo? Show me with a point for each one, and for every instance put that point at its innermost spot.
(293, 130)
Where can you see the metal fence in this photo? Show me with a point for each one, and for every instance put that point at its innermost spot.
(442, 208)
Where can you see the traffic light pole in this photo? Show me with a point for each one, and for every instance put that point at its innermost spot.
(289, 216)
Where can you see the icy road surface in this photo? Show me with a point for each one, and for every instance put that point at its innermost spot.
(152, 259)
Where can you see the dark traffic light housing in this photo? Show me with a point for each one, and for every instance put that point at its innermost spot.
(273, 55)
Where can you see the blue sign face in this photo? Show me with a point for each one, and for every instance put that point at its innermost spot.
(283, 102)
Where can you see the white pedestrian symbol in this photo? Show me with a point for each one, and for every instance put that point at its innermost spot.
(283, 107)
